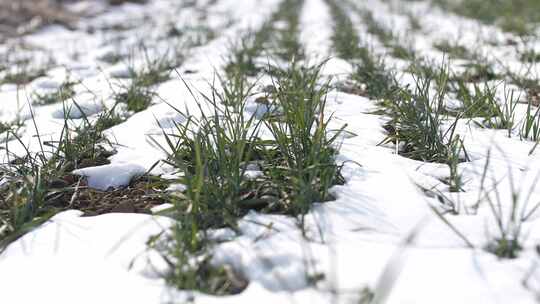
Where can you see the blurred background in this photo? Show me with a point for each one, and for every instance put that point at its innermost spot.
(21, 16)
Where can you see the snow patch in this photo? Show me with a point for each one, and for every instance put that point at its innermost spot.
(110, 176)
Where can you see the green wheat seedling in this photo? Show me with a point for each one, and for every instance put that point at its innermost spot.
(212, 151)
(136, 98)
(390, 40)
(187, 253)
(304, 150)
(478, 102)
(375, 28)
(214, 148)
(506, 242)
(483, 103)
(282, 43)
(155, 70)
(506, 113)
(453, 49)
(288, 47)
(457, 149)
(530, 128)
(478, 69)
(12, 126)
(528, 82)
(84, 144)
(517, 17)
(416, 123)
(25, 193)
(22, 207)
(22, 75)
(371, 77)
(344, 37)
(215, 145)
(530, 56)
(35, 181)
(243, 54)
(65, 92)
(139, 93)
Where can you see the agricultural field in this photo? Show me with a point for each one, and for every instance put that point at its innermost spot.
(270, 151)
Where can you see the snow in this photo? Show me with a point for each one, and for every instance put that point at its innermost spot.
(380, 231)
(82, 259)
(110, 176)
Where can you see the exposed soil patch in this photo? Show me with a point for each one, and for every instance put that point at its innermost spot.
(533, 96)
(21, 17)
(24, 16)
(350, 87)
(140, 196)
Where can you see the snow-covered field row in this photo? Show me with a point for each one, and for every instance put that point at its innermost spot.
(399, 230)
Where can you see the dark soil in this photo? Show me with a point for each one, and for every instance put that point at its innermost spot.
(139, 197)
(18, 17)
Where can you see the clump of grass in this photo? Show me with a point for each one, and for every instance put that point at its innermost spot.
(288, 47)
(243, 55)
(507, 112)
(482, 102)
(190, 263)
(530, 84)
(155, 68)
(344, 37)
(530, 128)
(457, 149)
(4, 127)
(112, 57)
(139, 93)
(517, 17)
(155, 72)
(304, 152)
(375, 28)
(212, 150)
(506, 247)
(136, 98)
(196, 35)
(378, 80)
(507, 241)
(388, 38)
(22, 204)
(215, 147)
(65, 92)
(416, 123)
(81, 144)
(298, 164)
(34, 181)
(453, 49)
(478, 71)
(85, 145)
(530, 56)
(371, 77)
(478, 102)
(403, 52)
(10, 126)
(22, 76)
(414, 22)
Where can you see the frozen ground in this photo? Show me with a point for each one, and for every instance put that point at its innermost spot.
(380, 233)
